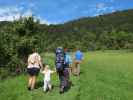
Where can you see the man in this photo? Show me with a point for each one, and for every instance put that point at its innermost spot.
(62, 66)
(59, 62)
(68, 60)
(78, 60)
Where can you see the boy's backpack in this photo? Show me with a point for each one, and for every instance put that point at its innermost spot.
(60, 58)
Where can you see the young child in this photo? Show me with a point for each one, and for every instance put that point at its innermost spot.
(47, 78)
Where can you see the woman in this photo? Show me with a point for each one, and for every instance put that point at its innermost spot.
(33, 68)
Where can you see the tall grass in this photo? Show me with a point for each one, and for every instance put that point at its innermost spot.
(104, 76)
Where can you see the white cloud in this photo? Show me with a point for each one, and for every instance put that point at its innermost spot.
(102, 8)
(14, 12)
(44, 21)
(27, 13)
(9, 13)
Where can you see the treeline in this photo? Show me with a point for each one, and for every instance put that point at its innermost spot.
(17, 38)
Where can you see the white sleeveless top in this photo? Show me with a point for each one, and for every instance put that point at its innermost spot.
(34, 61)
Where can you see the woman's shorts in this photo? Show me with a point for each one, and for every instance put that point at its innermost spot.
(33, 71)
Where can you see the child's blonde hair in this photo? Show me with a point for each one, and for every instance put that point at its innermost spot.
(47, 66)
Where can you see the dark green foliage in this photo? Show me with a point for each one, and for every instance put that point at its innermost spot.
(17, 39)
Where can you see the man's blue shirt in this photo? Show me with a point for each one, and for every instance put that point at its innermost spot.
(78, 55)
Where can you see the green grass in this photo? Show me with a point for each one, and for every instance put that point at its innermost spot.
(105, 76)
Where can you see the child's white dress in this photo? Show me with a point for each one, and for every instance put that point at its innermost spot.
(47, 78)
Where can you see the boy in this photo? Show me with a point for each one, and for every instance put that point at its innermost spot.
(47, 78)
(68, 61)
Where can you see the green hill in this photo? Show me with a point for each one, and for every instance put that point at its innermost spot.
(110, 31)
(119, 20)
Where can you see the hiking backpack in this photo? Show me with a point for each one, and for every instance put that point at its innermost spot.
(60, 58)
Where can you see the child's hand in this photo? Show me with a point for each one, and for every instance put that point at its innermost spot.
(42, 71)
(55, 70)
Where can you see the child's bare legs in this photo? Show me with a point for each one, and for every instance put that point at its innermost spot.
(49, 86)
(45, 86)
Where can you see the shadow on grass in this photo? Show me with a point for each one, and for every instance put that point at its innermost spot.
(39, 84)
(70, 84)
(75, 74)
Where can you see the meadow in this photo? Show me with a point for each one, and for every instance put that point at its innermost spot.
(104, 75)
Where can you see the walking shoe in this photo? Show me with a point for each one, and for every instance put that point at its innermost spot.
(29, 88)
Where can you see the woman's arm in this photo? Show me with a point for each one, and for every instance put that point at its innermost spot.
(40, 61)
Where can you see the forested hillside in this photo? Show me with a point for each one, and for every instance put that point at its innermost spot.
(110, 31)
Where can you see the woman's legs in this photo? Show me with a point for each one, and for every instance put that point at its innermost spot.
(33, 72)
(29, 82)
(33, 82)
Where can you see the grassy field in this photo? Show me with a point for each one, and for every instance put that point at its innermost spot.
(104, 76)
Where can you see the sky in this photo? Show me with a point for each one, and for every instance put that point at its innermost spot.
(59, 11)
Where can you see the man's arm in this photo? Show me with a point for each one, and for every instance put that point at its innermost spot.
(82, 56)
